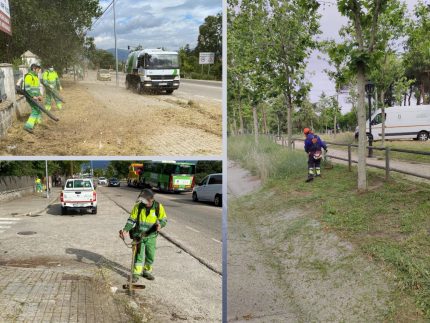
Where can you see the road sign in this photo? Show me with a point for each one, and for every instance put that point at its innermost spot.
(5, 17)
(206, 58)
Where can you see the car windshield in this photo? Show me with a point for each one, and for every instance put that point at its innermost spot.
(104, 71)
(162, 61)
(113, 179)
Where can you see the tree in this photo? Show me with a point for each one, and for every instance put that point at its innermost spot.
(371, 26)
(417, 56)
(291, 34)
(54, 30)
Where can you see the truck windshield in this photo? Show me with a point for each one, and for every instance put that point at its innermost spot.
(162, 61)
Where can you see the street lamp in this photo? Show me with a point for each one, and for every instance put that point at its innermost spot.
(369, 88)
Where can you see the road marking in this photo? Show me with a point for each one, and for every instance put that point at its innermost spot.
(7, 222)
(8, 219)
(2, 227)
(192, 229)
(216, 240)
(1, 231)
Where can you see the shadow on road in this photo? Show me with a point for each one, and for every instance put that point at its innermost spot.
(99, 260)
(55, 209)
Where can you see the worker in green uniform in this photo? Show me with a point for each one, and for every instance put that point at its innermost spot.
(146, 219)
(50, 79)
(31, 85)
(38, 183)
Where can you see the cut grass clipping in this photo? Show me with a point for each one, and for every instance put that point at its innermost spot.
(390, 224)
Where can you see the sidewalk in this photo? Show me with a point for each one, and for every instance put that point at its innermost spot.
(46, 295)
(38, 202)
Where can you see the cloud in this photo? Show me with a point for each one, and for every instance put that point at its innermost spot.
(167, 23)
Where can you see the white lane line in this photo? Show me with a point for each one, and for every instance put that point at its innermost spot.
(8, 219)
(216, 240)
(7, 222)
(1, 231)
(192, 229)
(2, 227)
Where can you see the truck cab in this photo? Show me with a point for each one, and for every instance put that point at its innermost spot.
(152, 70)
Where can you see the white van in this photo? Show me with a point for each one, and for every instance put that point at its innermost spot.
(209, 189)
(407, 122)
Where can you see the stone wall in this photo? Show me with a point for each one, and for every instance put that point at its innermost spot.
(12, 187)
(9, 112)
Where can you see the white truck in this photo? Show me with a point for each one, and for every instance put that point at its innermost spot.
(152, 70)
(401, 122)
(78, 194)
(209, 189)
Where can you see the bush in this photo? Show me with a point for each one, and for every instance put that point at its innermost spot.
(267, 159)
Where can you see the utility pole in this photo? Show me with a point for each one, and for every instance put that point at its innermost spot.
(116, 49)
(47, 179)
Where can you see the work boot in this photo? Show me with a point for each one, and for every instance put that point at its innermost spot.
(310, 178)
(29, 130)
(135, 279)
(147, 275)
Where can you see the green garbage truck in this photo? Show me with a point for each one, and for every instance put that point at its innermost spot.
(152, 70)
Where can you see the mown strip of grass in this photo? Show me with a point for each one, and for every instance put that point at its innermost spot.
(390, 223)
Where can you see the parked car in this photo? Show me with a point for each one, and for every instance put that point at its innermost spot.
(103, 181)
(78, 194)
(209, 189)
(114, 182)
(103, 75)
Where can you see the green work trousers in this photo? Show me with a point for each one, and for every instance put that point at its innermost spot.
(145, 254)
(35, 116)
(48, 101)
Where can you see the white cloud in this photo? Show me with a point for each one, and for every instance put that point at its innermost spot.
(170, 24)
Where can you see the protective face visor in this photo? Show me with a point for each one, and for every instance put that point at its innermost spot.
(143, 200)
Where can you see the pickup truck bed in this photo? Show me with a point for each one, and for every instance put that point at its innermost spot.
(78, 194)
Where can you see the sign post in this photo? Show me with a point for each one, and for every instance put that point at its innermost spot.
(5, 24)
(207, 58)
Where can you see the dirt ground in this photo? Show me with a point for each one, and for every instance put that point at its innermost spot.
(286, 267)
(100, 119)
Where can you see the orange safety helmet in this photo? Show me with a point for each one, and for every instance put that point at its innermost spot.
(306, 131)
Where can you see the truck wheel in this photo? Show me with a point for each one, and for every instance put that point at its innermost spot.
(139, 88)
(423, 136)
(63, 210)
(94, 211)
(169, 91)
(195, 198)
(218, 200)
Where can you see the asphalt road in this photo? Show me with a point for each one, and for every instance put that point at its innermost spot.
(187, 88)
(202, 89)
(195, 225)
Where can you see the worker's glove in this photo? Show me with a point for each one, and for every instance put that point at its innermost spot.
(122, 234)
(157, 227)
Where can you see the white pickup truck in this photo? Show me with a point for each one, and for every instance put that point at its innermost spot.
(78, 194)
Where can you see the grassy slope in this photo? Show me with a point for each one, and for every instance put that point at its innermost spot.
(390, 224)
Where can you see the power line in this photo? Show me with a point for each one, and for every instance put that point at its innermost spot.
(101, 16)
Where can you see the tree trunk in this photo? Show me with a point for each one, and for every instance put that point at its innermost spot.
(279, 125)
(254, 114)
(234, 123)
(410, 95)
(289, 105)
(362, 137)
(264, 119)
(240, 115)
(383, 118)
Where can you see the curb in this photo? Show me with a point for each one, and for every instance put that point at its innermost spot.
(38, 212)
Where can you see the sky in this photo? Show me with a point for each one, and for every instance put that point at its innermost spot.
(331, 21)
(167, 23)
